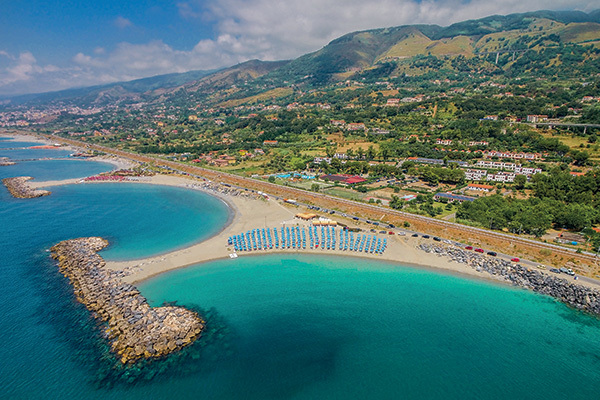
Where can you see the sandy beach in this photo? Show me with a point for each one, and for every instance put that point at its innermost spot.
(250, 211)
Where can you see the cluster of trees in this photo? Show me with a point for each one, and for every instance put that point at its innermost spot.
(533, 216)
(435, 175)
(558, 200)
(360, 167)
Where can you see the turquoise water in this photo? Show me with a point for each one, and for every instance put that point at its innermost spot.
(279, 327)
(55, 169)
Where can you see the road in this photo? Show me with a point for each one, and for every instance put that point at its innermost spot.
(366, 213)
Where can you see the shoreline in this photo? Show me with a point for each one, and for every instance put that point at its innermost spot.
(248, 211)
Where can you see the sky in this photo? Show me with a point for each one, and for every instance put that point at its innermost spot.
(48, 45)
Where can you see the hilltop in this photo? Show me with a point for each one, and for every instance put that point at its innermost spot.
(561, 43)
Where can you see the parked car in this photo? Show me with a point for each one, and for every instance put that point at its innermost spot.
(391, 226)
(492, 253)
(468, 247)
(515, 259)
(479, 250)
(390, 233)
(437, 239)
(415, 235)
(425, 236)
(556, 271)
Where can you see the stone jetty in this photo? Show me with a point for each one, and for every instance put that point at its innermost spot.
(577, 296)
(5, 161)
(134, 330)
(19, 188)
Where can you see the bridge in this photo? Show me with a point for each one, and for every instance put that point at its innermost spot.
(567, 124)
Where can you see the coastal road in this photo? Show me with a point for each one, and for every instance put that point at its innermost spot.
(368, 213)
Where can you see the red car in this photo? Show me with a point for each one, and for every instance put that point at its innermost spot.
(515, 259)
(469, 248)
(479, 250)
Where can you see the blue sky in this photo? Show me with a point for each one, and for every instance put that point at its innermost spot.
(57, 44)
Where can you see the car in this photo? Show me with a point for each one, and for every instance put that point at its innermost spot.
(468, 247)
(376, 223)
(479, 250)
(492, 253)
(391, 226)
(556, 271)
(373, 230)
(384, 232)
(515, 259)
(355, 218)
(331, 212)
(415, 235)
(437, 239)
(425, 236)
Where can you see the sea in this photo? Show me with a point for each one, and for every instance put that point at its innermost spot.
(278, 326)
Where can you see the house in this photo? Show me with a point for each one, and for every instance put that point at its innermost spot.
(445, 142)
(392, 102)
(490, 118)
(480, 188)
(270, 143)
(356, 126)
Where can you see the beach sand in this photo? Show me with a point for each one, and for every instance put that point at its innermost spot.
(256, 212)
(250, 212)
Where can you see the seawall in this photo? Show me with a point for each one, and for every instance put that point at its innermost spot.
(572, 294)
(19, 188)
(134, 329)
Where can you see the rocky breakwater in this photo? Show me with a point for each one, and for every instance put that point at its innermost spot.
(577, 296)
(19, 188)
(134, 330)
(5, 161)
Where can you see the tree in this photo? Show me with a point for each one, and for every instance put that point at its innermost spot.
(271, 179)
(520, 181)
(315, 187)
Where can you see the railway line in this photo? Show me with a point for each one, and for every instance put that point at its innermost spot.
(368, 212)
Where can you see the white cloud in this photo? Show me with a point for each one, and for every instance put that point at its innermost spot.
(122, 22)
(247, 29)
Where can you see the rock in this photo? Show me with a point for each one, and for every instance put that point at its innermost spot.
(134, 329)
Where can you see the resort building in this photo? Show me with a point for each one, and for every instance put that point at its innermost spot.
(451, 198)
(480, 188)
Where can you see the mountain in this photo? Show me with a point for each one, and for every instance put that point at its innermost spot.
(359, 51)
(543, 43)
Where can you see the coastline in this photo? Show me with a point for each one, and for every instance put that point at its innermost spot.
(250, 211)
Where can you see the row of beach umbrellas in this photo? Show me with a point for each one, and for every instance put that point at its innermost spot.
(313, 237)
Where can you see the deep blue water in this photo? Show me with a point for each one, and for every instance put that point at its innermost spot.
(279, 327)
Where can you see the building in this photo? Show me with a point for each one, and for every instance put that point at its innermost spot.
(537, 118)
(270, 143)
(452, 197)
(479, 188)
(356, 126)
